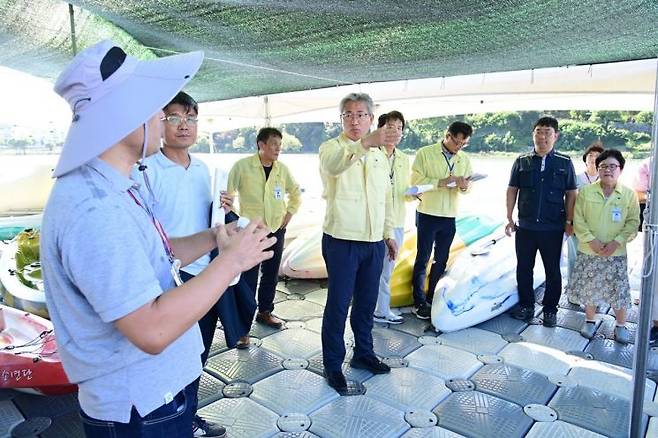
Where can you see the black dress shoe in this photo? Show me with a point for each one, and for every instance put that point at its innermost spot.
(523, 313)
(336, 380)
(370, 363)
(550, 319)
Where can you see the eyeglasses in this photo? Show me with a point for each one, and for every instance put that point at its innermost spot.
(176, 120)
(358, 116)
(461, 143)
(608, 166)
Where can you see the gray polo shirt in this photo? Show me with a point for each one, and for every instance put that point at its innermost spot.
(103, 259)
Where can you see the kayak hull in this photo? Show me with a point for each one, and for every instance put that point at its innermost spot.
(28, 354)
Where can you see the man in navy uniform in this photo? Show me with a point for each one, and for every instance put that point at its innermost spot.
(545, 182)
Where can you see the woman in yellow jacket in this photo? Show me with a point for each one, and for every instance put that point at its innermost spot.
(399, 174)
(262, 183)
(606, 217)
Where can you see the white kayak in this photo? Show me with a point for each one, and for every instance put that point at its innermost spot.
(302, 258)
(479, 285)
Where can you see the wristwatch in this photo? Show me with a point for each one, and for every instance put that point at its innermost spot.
(569, 222)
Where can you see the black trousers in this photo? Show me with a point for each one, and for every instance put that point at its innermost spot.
(433, 232)
(549, 245)
(269, 270)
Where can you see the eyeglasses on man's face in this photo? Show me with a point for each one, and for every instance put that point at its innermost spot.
(609, 166)
(358, 116)
(461, 142)
(176, 120)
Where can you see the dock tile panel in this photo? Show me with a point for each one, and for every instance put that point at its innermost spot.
(560, 429)
(517, 385)
(414, 326)
(358, 417)
(298, 310)
(539, 358)
(218, 343)
(210, 389)
(242, 417)
(431, 432)
(10, 416)
(503, 324)
(317, 296)
(593, 410)
(474, 340)
(477, 415)
(293, 391)
(407, 389)
(556, 337)
(444, 361)
(608, 378)
(391, 343)
(294, 343)
(250, 365)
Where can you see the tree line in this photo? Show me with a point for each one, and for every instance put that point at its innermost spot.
(501, 132)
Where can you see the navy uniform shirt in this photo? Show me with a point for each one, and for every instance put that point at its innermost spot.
(542, 192)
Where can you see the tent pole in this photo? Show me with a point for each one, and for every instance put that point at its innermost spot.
(649, 283)
(72, 22)
(268, 115)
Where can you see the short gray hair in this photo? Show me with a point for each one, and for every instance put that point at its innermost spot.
(356, 97)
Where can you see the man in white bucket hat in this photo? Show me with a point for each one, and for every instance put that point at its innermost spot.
(127, 335)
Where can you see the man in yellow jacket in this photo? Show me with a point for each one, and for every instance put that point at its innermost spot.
(446, 167)
(262, 183)
(358, 229)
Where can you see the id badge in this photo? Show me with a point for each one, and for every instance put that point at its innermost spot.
(278, 193)
(616, 214)
(175, 272)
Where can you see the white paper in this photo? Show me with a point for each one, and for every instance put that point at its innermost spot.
(218, 216)
(417, 190)
(221, 184)
(477, 177)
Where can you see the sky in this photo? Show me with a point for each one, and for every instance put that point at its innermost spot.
(33, 101)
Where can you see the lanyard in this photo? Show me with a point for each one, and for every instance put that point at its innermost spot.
(589, 180)
(158, 227)
(392, 172)
(450, 166)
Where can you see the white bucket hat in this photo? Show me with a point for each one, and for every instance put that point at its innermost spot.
(111, 94)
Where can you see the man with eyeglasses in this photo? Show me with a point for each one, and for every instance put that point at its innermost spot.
(358, 229)
(545, 182)
(181, 187)
(445, 166)
(263, 183)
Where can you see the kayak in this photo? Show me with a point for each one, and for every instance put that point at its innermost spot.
(20, 274)
(10, 226)
(28, 354)
(480, 284)
(469, 229)
(303, 257)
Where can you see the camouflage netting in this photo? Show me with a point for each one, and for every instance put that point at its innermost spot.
(261, 47)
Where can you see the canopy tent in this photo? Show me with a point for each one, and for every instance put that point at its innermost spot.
(257, 48)
(262, 48)
(615, 86)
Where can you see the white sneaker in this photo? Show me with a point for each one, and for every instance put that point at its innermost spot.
(388, 319)
(394, 319)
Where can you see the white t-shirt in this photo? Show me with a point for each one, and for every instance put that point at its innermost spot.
(583, 179)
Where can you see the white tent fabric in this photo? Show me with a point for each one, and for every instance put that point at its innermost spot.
(614, 86)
